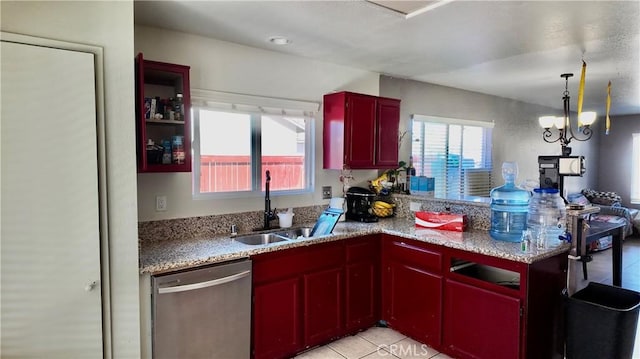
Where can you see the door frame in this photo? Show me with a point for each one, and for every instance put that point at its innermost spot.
(103, 209)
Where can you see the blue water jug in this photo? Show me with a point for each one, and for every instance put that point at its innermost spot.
(509, 207)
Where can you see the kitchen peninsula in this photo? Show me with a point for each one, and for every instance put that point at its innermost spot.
(461, 293)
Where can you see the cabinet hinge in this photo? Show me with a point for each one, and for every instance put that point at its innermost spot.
(521, 312)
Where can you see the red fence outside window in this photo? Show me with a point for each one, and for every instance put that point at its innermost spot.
(233, 173)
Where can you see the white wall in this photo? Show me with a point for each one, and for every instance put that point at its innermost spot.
(109, 25)
(223, 66)
(516, 134)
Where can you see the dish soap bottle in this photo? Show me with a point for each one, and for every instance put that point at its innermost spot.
(509, 207)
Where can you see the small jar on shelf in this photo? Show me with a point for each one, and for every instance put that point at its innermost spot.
(178, 108)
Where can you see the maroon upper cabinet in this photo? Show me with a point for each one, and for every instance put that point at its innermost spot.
(388, 115)
(163, 116)
(360, 131)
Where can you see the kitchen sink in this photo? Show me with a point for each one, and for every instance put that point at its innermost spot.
(262, 238)
(295, 233)
(274, 237)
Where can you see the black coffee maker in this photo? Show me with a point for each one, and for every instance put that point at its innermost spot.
(359, 201)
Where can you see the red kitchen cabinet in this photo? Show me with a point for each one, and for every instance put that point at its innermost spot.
(414, 305)
(485, 300)
(323, 293)
(276, 310)
(298, 299)
(467, 305)
(362, 293)
(322, 306)
(360, 131)
(481, 323)
(387, 132)
(497, 308)
(277, 303)
(159, 88)
(412, 289)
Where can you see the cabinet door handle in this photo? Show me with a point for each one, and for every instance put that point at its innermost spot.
(210, 283)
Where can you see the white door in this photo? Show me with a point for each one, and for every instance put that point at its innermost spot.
(50, 242)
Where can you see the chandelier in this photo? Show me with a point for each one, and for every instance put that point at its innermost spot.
(565, 133)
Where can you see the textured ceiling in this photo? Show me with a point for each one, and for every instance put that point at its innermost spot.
(512, 49)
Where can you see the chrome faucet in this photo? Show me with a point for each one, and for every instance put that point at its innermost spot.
(269, 215)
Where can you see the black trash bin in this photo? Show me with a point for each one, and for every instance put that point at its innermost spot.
(601, 322)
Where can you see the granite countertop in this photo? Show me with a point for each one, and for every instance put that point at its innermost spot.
(169, 255)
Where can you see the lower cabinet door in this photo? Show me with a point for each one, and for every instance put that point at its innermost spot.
(276, 319)
(413, 302)
(480, 323)
(361, 296)
(322, 306)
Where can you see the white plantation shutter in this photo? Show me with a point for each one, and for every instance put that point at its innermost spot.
(457, 153)
(635, 169)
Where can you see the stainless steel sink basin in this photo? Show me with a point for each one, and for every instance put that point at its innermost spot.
(295, 233)
(274, 237)
(260, 238)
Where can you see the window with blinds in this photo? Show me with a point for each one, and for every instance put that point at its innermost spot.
(635, 170)
(457, 153)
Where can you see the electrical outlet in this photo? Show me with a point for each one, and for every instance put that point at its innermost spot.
(415, 206)
(161, 203)
(326, 192)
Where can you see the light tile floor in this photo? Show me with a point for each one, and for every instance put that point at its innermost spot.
(374, 342)
(387, 343)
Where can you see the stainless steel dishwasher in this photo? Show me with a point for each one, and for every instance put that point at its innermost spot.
(203, 313)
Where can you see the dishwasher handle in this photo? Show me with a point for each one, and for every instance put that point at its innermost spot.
(200, 285)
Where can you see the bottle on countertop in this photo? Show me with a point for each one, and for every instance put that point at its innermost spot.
(411, 172)
(527, 238)
(509, 207)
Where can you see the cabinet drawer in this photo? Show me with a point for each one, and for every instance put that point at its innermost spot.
(278, 265)
(414, 253)
(296, 261)
(325, 255)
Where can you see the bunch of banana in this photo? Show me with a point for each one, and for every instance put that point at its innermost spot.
(382, 208)
(380, 183)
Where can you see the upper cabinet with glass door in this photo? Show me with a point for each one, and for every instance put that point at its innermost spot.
(163, 116)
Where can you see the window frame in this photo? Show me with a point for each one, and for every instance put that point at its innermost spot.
(256, 107)
(486, 151)
(634, 191)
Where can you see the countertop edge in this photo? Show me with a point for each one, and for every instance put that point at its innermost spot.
(226, 249)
